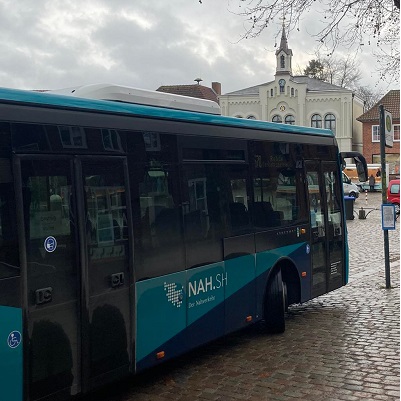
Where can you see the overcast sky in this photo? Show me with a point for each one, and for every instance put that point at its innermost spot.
(52, 44)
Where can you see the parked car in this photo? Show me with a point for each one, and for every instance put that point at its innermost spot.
(350, 189)
(393, 194)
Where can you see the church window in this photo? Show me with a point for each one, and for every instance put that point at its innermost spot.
(290, 119)
(330, 122)
(277, 119)
(316, 121)
(292, 91)
(251, 117)
(282, 61)
(271, 92)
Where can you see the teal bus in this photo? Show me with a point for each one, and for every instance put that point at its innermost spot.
(136, 226)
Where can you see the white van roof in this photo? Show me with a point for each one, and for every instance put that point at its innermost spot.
(140, 96)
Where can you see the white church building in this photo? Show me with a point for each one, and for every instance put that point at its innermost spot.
(299, 100)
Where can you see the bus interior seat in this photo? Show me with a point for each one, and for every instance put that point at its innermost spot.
(239, 215)
(116, 229)
(277, 218)
(167, 226)
(194, 228)
(264, 216)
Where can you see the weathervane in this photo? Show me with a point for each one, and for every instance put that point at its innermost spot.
(283, 26)
(283, 18)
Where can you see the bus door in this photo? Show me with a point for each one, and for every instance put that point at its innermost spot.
(327, 249)
(76, 241)
(52, 276)
(106, 278)
(335, 227)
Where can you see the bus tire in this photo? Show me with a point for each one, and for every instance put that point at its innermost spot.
(285, 296)
(275, 304)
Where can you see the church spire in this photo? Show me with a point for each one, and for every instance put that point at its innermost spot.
(283, 42)
(283, 56)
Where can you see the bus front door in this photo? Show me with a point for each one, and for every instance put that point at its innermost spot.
(327, 247)
(50, 270)
(77, 273)
(335, 227)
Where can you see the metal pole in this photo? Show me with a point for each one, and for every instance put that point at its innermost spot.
(384, 193)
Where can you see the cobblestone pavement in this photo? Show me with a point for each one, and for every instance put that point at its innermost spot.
(340, 346)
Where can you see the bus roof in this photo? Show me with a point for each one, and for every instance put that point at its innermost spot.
(52, 100)
(141, 96)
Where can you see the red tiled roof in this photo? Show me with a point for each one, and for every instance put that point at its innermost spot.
(391, 102)
(199, 91)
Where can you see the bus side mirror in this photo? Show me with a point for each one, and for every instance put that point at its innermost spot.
(360, 163)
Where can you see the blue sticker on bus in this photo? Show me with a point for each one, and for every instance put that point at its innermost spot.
(307, 249)
(50, 244)
(14, 339)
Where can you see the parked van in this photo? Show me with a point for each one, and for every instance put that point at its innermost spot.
(350, 189)
(393, 194)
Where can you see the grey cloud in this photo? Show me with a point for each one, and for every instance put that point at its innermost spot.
(167, 52)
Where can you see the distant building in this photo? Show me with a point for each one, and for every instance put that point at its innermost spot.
(371, 132)
(195, 90)
(300, 100)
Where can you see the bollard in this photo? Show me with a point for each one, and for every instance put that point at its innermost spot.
(366, 196)
(362, 214)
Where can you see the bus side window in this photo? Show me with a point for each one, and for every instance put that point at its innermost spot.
(157, 215)
(240, 222)
(278, 188)
(207, 196)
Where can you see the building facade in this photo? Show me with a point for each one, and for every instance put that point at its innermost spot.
(371, 133)
(299, 100)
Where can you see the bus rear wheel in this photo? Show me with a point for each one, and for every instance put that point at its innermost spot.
(275, 304)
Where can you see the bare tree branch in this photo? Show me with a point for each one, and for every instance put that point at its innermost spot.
(342, 72)
(369, 96)
(349, 23)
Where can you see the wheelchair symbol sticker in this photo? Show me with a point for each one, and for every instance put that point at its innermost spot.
(50, 244)
(14, 339)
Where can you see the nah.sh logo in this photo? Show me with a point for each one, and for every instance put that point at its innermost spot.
(173, 295)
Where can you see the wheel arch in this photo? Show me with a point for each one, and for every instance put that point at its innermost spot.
(290, 277)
